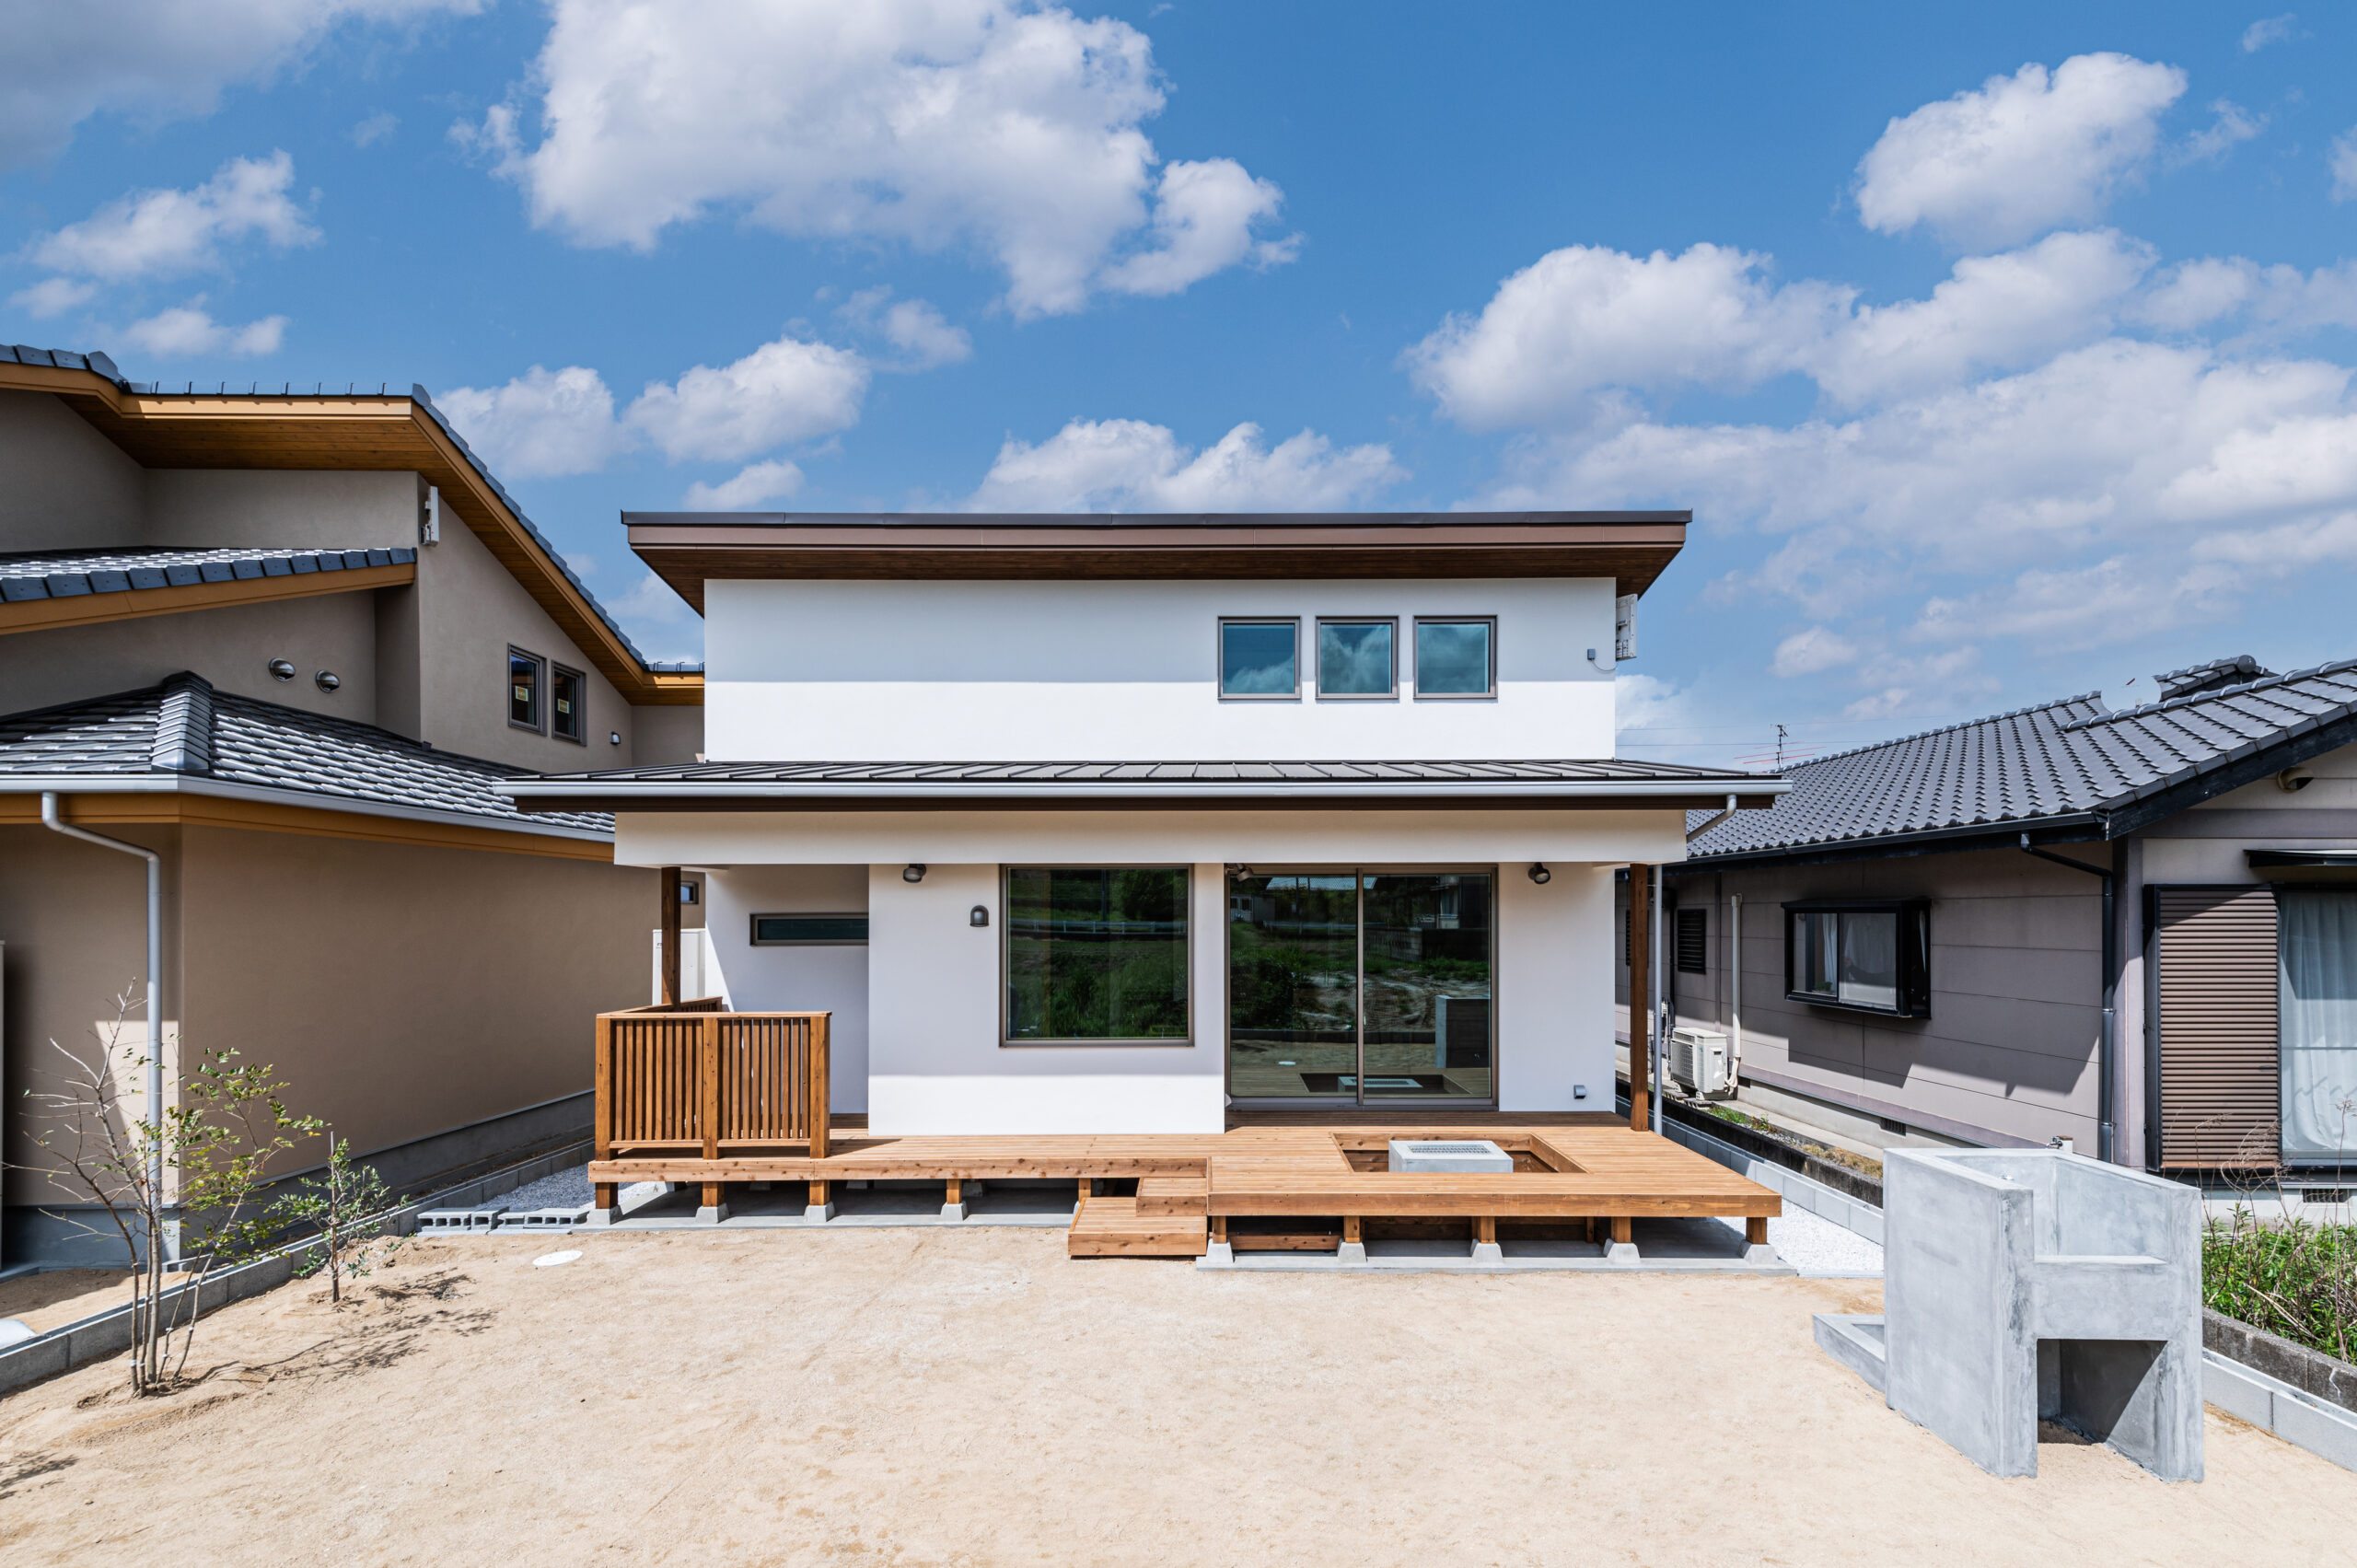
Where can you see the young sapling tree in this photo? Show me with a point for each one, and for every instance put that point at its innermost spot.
(347, 1203)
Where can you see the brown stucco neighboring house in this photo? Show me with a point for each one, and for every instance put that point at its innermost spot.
(2134, 929)
(288, 642)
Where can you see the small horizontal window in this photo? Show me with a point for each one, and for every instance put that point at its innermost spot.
(1259, 658)
(1873, 957)
(809, 930)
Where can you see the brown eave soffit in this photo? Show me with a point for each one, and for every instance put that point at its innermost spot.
(1632, 547)
(365, 433)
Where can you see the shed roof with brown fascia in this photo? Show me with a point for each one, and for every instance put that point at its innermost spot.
(158, 428)
(686, 548)
(1600, 785)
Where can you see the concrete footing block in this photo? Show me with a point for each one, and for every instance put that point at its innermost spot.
(1761, 1252)
(1490, 1252)
(1621, 1252)
(819, 1213)
(1220, 1252)
(1350, 1253)
(599, 1218)
(954, 1211)
(711, 1213)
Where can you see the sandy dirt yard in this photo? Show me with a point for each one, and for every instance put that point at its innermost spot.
(904, 1397)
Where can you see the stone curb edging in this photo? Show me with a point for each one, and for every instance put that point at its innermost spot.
(90, 1339)
(2319, 1377)
(2273, 1405)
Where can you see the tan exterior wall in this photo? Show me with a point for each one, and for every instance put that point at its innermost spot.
(68, 487)
(2017, 960)
(662, 735)
(231, 646)
(281, 509)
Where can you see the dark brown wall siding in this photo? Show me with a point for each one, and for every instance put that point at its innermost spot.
(2218, 1077)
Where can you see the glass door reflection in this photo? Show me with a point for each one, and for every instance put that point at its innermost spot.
(1427, 985)
(1293, 944)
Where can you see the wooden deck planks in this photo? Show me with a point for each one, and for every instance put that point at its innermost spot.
(1112, 1227)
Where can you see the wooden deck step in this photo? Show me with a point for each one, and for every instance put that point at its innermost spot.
(1112, 1227)
(1159, 1196)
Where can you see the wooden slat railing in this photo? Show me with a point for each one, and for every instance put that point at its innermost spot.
(673, 1081)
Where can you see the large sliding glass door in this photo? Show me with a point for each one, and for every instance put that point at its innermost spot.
(1360, 986)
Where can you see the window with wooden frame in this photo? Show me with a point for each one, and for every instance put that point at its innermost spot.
(1871, 956)
(568, 705)
(527, 679)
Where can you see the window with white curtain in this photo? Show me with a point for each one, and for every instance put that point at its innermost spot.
(1873, 957)
(2317, 970)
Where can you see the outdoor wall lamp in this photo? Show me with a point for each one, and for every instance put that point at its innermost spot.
(281, 669)
(1539, 874)
(978, 916)
(912, 874)
(326, 681)
(615, 738)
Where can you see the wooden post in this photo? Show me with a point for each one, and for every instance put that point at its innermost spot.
(1351, 1235)
(708, 1085)
(1622, 1229)
(819, 1194)
(821, 1110)
(953, 1190)
(1219, 1229)
(1485, 1230)
(1755, 1230)
(605, 1194)
(670, 927)
(711, 1194)
(1641, 1012)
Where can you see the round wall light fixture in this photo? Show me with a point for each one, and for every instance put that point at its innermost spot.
(282, 669)
(1539, 874)
(912, 874)
(978, 916)
(326, 681)
(615, 738)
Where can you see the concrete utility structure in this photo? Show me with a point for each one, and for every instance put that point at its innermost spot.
(2022, 1286)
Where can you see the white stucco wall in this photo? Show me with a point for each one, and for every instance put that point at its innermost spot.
(796, 980)
(896, 671)
(935, 1062)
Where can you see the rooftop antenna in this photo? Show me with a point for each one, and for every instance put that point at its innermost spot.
(1780, 748)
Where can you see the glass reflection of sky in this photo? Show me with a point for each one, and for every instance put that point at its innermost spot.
(1453, 657)
(1256, 661)
(1354, 659)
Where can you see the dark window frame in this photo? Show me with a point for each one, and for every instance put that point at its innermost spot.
(757, 940)
(539, 725)
(580, 705)
(1219, 658)
(1318, 656)
(1490, 693)
(1914, 955)
(1186, 917)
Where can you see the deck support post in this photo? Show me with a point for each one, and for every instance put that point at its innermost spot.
(1756, 1249)
(669, 924)
(1485, 1240)
(819, 1210)
(953, 1199)
(1641, 992)
(1622, 1248)
(1353, 1247)
(715, 1204)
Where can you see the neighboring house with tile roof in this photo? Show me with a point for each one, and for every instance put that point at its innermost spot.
(1924, 955)
(290, 639)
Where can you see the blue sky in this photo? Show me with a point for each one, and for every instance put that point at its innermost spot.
(2001, 354)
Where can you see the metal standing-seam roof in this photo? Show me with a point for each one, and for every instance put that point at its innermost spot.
(2072, 758)
(183, 729)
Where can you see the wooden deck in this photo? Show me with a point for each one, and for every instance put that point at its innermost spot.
(1295, 1179)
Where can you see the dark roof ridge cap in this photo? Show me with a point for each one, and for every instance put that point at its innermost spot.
(183, 742)
(2095, 697)
(2167, 704)
(2234, 661)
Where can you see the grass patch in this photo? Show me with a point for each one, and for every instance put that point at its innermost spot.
(1825, 1152)
(2293, 1279)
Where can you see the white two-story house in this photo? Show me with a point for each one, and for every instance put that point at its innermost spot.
(1097, 824)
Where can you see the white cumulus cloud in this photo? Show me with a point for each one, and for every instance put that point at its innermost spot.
(786, 390)
(52, 296)
(2344, 166)
(922, 334)
(190, 329)
(543, 424)
(158, 59)
(2020, 155)
(751, 486)
(160, 233)
(1127, 465)
(1812, 652)
(2272, 30)
(998, 125)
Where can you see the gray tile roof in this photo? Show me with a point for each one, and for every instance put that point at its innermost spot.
(59, 359)
(184, 727)
(2069, 757)
(70, 574)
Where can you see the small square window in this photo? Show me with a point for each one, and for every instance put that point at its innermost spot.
(1259, 658)
(1358, 658)
(568, 705)
(1457, 658)
(1871, 957)
(524, 680)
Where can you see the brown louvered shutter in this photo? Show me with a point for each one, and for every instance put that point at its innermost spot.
(2219, 1078)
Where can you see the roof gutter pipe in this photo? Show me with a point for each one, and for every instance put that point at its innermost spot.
(154, 1113)
(1715, 819)
(2108, 1052)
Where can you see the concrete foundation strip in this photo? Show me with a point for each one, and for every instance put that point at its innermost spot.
(108, 1333)
(1800, 1191)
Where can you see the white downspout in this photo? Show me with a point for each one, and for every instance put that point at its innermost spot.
(154, 1113)
(1735, 990)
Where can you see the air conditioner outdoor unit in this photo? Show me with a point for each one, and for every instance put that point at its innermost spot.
(1698, 1059)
